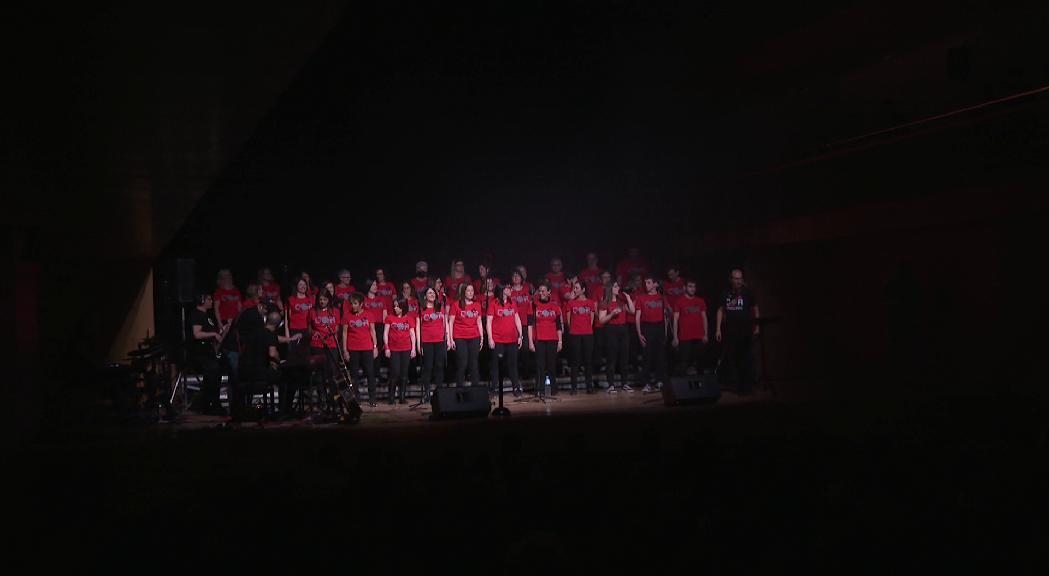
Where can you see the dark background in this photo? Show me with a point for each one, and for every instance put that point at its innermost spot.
(810, 143)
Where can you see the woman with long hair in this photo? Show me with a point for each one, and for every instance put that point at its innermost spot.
(457, 276)
(361, 347)
(227, 297)
(400, 342)
(298, 310)
(616, 307)
(580, 311)
(504, 336)
(442, 293)
(433, 341)
(544, 338)
(521, 293)
(377, 308)
(465, 335)
(324, 326)
(410, 299)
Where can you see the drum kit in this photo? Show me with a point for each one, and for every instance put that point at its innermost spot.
(141, 387)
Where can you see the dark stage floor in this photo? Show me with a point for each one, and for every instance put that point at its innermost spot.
(589, 484)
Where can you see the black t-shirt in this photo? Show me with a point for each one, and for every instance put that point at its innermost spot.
(254, 358)
(737, 307)
(250, 329)
(198, 317)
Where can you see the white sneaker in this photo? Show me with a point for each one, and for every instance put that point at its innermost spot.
(611, 389)
(647, 389)
(626, 388)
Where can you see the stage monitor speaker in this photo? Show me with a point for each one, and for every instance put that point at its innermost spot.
(692, 389)
(460, 402)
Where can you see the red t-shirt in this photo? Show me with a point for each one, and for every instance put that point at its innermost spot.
(413, 307)
(592, 278)
(673, 290)
(451, 285)
(651, 307)
(464, 320)
(419, 284)
(228, 302)
(270, 291)
(479, 289)
(342, 293)
(358, 330)
(523, 300)
(559, 286)
(691, 312)
(373, 307)
(400, 339)
(556, 281)
(545, 319)
(324, 325)
(298, 312)
(504, 324)
(432, 328)
(248, 304)
(627, 268)
(581, 321)
(619, 319)
(386, 290)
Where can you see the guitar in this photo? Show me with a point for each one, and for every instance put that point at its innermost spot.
(223, 332)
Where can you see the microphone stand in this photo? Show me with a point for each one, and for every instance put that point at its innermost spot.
(349, 410)
(502, 411)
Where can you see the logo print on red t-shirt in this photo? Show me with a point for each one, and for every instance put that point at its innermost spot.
(469, 313)
(653, 304)
(373, 304)
(360, 323)
(399, 325)
(581, 310)
(546, 313)
(303, 306)
(433, 316)
(504, 312)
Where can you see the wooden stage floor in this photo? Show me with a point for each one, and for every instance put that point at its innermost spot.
(524, 407)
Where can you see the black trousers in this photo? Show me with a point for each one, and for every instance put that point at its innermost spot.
(207, 366)
(600, 338)
(546, 365)
(290, 382)
(435, 357)
(739, 354)
(364, 359)
(654, 354)
(690, 353)
(381, 360)
(327, 373)
(466, 355)
(508, 354)
(399, 366)
(617, 350)
(582, 346)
